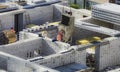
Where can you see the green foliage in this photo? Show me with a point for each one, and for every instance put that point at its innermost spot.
(30, 25)
(74, 6)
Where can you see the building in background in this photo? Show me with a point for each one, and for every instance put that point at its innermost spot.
(115, 1)
(86, 4)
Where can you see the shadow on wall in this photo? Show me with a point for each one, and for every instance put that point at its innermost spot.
(56, 14)
(50, 47)
(27, 49)
(39, 15)
(3, 63)
(47, 49)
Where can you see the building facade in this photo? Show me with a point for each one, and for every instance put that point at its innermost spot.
(87, 3)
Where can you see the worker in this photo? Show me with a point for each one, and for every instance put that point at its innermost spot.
(12, 29)
(60, 35)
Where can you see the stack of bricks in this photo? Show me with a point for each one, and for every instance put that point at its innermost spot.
(7, 37)
(3, 39)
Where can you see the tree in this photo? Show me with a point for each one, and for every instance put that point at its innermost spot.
(74, 6)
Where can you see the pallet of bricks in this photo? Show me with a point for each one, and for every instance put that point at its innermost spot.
(7, 37)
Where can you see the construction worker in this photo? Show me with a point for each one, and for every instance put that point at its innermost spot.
(12, 29)
(60, 35)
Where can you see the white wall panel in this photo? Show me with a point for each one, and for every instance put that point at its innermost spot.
(110, 53)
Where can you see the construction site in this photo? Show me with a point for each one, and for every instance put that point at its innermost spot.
(50, 36)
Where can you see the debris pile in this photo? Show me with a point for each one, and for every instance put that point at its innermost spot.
(112, 69)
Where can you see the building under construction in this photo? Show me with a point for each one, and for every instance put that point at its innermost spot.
(90, 40)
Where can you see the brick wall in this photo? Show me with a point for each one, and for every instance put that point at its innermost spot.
(21, 48)
(63, 59)
(40, 15)
(7, 21)
(109, 54)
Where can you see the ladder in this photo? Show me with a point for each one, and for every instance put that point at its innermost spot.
(27, 18)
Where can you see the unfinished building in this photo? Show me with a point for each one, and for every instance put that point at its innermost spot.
(58, 55)
(107, 32)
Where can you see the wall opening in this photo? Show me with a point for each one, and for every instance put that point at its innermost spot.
(18, 22)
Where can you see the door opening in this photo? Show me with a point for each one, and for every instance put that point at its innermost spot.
(18, 22)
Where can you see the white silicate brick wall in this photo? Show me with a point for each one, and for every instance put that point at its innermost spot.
(7, 21)
(110, 53)
(40, 15)
(21, 48)
(63, 59)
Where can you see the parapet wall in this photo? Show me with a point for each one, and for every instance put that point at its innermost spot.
(63, 54)
(63, 58)
(6, 21)
(21, 48)
(39, 15)
(109, 54)
(27, 48)
(16, 64)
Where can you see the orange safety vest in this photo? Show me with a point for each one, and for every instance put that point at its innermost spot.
(59, 37)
